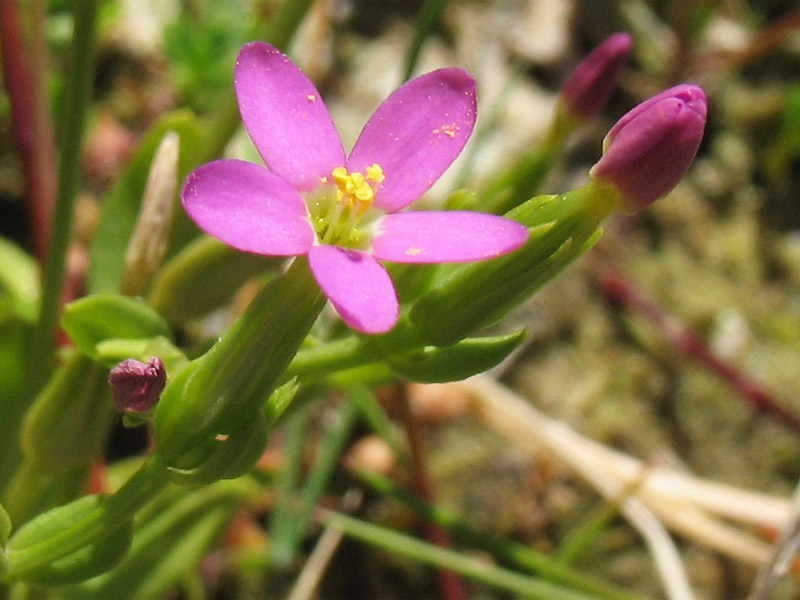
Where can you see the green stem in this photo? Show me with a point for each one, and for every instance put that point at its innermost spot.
(515, 554)
(76, 103)
(523, 179)
(278, 32)
(282, 27)
(427, 20)
(313, 364)
(586, 532)
(284, 514)
(473, 568)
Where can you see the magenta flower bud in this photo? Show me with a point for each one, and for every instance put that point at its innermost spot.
(137, 386)
(652, 146)
(590, 85)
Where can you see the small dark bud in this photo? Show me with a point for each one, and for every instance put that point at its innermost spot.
(137, 386)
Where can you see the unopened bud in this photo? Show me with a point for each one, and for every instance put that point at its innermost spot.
(651, 147)
(588, 88)
(148, 243)
(136, 386)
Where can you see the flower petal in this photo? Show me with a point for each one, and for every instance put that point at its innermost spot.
(286, 117)
(449, 236)
(247, 207)
(415, 134)
(357, 285)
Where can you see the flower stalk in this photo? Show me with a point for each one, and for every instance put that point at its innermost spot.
(582, 97)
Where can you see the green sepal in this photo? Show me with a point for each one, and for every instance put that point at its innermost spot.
(225, 455)
(89, 561)
(280, 399)
(467, 298)
(453, 363)
(463, 199)
(410, 280)
(121, 206)
(203, 277)
(225, 390)
(95, 319)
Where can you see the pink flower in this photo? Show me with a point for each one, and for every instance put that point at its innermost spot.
(588, 88)
(136, 386)
(652, 146)
(341, 209)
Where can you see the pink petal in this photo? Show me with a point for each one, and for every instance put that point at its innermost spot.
(247, 207)
(416, 133)
(286, 117)
(357, 285)
(450, 236)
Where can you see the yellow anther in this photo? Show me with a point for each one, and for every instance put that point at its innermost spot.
(340, 176)
(375, 173)
(352, 188)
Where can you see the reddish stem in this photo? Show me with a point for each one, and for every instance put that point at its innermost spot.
(616, 286)
(764, 42)
(450, 583)
(31, 122)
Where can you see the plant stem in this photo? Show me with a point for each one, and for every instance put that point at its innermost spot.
(444, 558)
(451, 584)
(30, 118)
(278, 32)
(76, 102)
(513, 554)
(612, 283)
(426, 21)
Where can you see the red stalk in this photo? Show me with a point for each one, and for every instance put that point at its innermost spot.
(30, 116)
(451, 584)
(614, 285)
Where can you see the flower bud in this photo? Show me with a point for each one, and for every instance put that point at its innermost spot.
(651, 147)
(588, 88)
(137, 386)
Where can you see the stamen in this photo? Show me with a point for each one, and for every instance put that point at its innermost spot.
(351, 197)
(375, 173)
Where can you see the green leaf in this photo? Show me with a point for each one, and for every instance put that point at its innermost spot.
(14, 395)
(172, 535)
(111, 352)
(65, 427)
(121, 206)
(469, 566)
(203, 277)
(19, 282)
(5, 526)
(91, 560)
(453, 363)
(95, 319)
